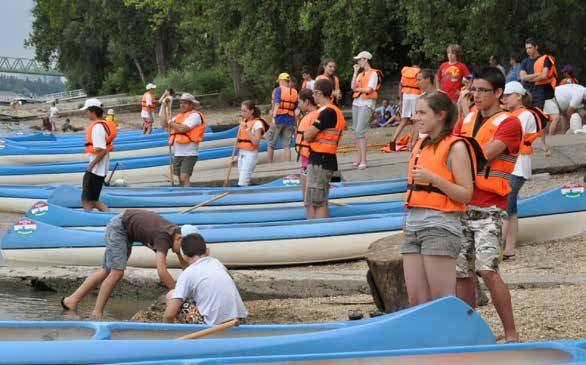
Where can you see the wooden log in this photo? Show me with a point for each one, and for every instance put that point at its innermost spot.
(385, 275)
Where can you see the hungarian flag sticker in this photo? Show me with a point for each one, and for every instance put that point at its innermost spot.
(25, 226)
(39, 209)
(573, 190)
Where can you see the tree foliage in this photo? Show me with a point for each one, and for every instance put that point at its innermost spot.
(118, 45)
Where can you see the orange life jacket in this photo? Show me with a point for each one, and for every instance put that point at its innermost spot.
(362, 82)
(334, 77)
(111, 132)
(244, 142)
(569, 80)
(306, 122)
(195, 134)
(409, 80)
(288, 100)
(552, 73)
(434, 159)
(526, 147)
(494, 177)
(327, 141)
(146, 107)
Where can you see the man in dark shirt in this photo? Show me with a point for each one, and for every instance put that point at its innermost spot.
(323, 136)
(133, 225)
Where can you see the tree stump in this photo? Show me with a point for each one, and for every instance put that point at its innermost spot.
(385, 275)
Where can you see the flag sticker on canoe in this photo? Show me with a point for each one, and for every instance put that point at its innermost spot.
(573, 190)
(291, 180)
(39, 209)
(2, 144)
(25, 226)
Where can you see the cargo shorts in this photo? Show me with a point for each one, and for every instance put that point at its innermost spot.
(282, 131)
(118, 248)
(482, 242)
(318, 186)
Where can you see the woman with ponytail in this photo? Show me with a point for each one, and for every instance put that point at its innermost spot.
(252, 129)
(441, 175)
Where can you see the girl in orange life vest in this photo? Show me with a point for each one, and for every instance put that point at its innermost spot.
(98, 145)
(148, 109)
(326, 72)
(516, 99)
(440, 184)
(308, 106)
(308, 81)
(409, 93)
(250, 134)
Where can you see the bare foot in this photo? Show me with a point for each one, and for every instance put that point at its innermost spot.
(97, 315)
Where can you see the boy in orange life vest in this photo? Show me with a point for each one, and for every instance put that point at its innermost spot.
(323, 136)
(308, 106)
(99, 137)
(187, 130)
(500, 135)
(440, 184)
(409, 91)
(148, 109)
(283, 113)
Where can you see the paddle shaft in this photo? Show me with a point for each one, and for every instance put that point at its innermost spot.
(205, 202)
(230, 163)
(209, 331)
(340, 204)
(107, 183)
(168, 114)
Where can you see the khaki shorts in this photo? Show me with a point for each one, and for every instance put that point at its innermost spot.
(184, 165)
(283, 131)
(482, 243)
(432, 242)
(318, 186)
(551, 107)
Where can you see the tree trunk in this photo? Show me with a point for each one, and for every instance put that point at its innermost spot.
(242, 88)
(139, 68)
(160, 53)
(385, 275)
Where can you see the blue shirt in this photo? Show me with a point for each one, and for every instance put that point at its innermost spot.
(283, 118)
(381, 111)
(513, 74)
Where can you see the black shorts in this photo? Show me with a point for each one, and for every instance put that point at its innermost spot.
(92, 187)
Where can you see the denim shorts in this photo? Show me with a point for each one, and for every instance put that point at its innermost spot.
(516, 183)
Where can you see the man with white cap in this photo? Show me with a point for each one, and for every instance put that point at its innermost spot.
(99, 137)
(285, 101)
(133, 225)
(148, 109)
(186, 132)
(570, 99)
(205, 292)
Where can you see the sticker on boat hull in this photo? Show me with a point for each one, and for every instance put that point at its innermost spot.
(39, 209)
(2, 145)
(291, 180)
(25, 226)
(573, 190)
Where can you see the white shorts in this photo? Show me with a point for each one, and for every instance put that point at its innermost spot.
(246, 165)
(409, 104)
(551, 107)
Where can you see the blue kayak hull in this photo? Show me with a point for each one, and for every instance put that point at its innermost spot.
(444, 322)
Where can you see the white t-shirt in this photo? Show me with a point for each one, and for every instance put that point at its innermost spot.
(99, 141)
(523, 164)
(207, 282)
(168, 98)
(192, 148)
(361, 101)
(149, 102)
(570, 95)
(309, 84)
(53, 112)
(255, 127)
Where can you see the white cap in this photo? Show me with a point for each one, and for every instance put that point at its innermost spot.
(91, 102)
(151, 86)
(514, 87)
(110, 111)
(188, 97)
(187, 229)
(364, 54)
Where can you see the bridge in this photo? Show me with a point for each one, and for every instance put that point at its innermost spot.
(26, 66)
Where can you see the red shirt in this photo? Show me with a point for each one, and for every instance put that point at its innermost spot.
(450, 78)
(510, 133)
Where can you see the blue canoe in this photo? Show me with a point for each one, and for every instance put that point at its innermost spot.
(535, 353)
(444, 322)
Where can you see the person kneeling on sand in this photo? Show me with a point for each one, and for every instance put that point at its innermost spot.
(205, 292)
(133, 225)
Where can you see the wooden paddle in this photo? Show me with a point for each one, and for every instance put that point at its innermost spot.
(230, 163)
(205, 202)
(340, 204)
(171, 178)
(208, 331)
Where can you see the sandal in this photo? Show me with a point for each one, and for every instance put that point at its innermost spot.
(508, 257)
(65, 307)
(355, 164)
(546, 151)
(362, 166)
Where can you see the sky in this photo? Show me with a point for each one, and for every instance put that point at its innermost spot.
(15, 25)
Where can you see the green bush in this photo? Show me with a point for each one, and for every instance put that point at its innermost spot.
(197, 82)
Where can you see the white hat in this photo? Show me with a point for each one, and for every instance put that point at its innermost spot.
(91, 102)
(514, 87)
(364, 54)
(151, 86)
(188, 229)
(188, 97)
(110, 112)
